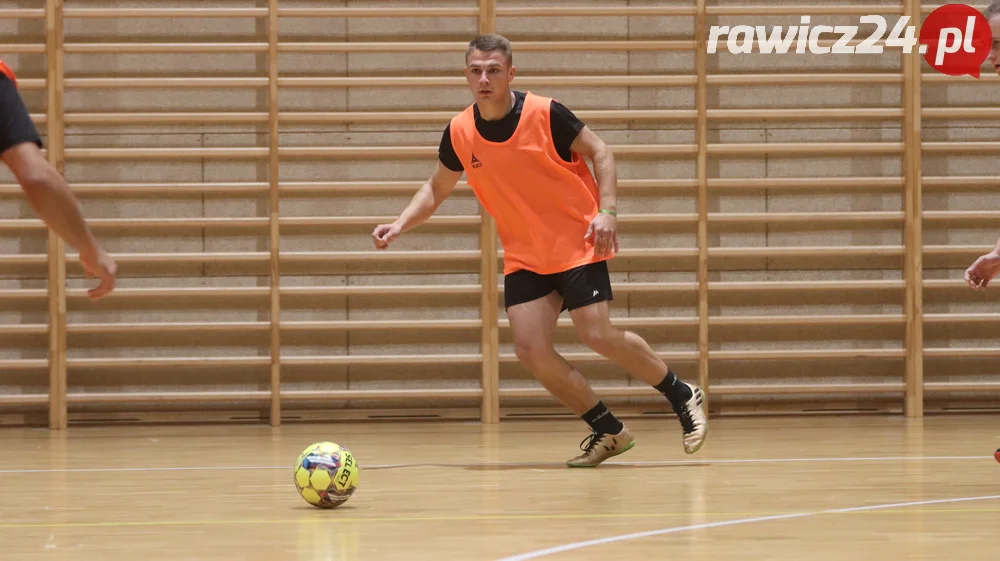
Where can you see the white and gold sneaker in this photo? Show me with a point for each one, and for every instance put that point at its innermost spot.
(693, 420)
(597, 448)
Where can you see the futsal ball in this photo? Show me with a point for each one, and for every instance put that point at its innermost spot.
(326, 474)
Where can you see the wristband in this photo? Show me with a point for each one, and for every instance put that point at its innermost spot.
(607, 211)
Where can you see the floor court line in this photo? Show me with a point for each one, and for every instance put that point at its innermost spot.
(757, 516)
(665, 463)
(740, 521)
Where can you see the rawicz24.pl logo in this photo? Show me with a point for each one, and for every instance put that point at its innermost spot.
(955, 39)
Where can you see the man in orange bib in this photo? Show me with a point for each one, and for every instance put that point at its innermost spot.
(45, 188)
(986, 266)
(523, 157)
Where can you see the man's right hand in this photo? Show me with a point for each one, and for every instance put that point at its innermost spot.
(979, 274)
(385, 234)
(99, 264)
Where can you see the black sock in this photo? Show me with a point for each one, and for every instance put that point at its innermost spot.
(676, 392)
(602, 421)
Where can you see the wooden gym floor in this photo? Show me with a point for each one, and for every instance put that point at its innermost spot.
(855, 488)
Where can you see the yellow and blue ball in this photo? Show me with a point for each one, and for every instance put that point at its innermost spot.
(326, 474)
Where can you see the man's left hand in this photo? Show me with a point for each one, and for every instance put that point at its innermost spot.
(603, 232)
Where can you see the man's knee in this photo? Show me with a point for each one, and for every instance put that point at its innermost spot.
(601, 338)
(532, 351)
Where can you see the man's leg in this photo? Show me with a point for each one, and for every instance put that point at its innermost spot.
(533, 324)
(588, 290)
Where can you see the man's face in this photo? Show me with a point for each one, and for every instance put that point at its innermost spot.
(488, 75)
(994, 57)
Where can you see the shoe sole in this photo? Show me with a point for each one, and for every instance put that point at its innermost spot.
(622, 451)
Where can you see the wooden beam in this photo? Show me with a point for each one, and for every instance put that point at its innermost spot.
(56, 247)
(488, 272)
(274, 216)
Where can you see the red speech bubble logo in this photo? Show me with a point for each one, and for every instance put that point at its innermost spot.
(955, 39)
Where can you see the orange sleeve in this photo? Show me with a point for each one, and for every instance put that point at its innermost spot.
(6, 71)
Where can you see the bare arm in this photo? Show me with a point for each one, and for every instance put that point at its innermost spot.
(428, 198)
(590, 146)
(996, 248)
(50, 197)
(604, 228)
(53, 201)
(425, 201)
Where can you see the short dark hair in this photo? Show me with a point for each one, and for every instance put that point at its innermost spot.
(491, 42)
(992, 10)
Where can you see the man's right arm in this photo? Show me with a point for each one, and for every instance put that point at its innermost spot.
(428, 198)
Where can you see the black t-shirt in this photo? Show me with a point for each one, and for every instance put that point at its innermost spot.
(16, 125)
(563, 123)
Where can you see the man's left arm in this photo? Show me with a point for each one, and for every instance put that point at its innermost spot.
(590, 146)
(570, 135)
(604, 228)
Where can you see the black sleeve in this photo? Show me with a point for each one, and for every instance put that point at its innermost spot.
(446, 152)
(565, 128)
(16, 125)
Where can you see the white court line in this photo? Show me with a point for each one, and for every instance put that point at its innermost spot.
(788, 460)
(178, 468)
(666, 463)
(625, 537)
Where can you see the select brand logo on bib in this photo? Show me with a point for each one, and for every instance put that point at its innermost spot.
(475, 161)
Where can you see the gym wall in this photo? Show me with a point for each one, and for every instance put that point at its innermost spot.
(794, 227)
